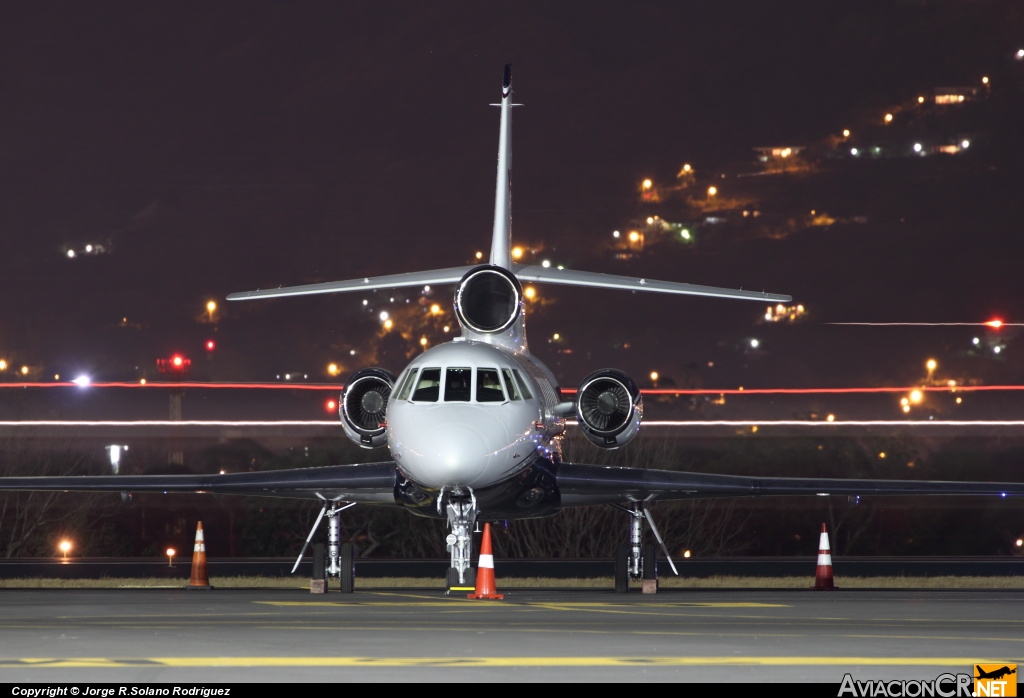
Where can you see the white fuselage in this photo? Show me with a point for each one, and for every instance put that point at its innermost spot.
(469, 414)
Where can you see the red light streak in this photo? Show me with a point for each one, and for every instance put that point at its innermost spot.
(568, 391)
(991, 323)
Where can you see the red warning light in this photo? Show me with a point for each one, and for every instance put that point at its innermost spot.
(177, 366)
(331, 405)
(996, 324)
(177, 360)
(210, 345)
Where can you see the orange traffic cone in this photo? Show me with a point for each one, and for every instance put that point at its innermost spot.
(198, 579)
(485, 588)
(823, 575)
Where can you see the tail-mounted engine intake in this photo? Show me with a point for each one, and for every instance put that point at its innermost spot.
(363, 404)
(488, 299)
(609, 408)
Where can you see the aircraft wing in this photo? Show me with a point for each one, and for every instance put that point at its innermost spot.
(582, 485)
(365, 482)
(570, 277)
(451, 275)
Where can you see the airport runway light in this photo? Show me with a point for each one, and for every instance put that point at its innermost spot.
(170, 557)
(687, 554)
(65, 548)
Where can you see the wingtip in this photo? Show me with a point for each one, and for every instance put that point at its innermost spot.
(507, 79)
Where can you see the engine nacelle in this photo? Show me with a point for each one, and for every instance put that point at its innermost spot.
(488, 300)
(363, 404)
(609, 408)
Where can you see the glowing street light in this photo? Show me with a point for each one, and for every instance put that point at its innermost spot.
(517, 253)
(712, 191)
(65, 547)
(888, 118)
(332, 369)
(3, 365)
(170, 556)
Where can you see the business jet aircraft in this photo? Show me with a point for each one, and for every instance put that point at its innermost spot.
(474, 426)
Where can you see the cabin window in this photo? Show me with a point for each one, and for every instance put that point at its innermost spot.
(488, 386)
(406, 388)
(510, 384)
(457, 384)
(428, 385)
(522, 385)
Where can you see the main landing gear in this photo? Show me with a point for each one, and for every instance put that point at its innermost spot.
(633, 560)
(336, 559)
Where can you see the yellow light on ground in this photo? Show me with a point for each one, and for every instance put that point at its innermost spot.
(846, 133)
(530, 292)
(210, 306)
(479, 255)
(686, 167)
(388, 324)
(959, 400)
(142, 381)
(712, 191)
(517, 252)
(1020, 543)
(882, 454)
(906, 408)
(647, 184)
(332, 369)
(905, 401)
(888, 118)
(65, 548)
(830, 418)
(445, 328)
(931, 364)
(634, 236)
(435, 309)
(687, 553)
(556, 336)
(654, 376)
(916, 396)
(170, 556)
(3, 365)
(24, 370)
(984, 80)
(423, 341)
(920, 100)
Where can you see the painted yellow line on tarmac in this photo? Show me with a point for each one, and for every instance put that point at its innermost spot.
(537, 604)
(199, 662)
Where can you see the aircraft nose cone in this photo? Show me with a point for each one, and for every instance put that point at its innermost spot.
(440, 450)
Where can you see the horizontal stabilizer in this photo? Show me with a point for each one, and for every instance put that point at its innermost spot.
(569, 277)
(451, 275)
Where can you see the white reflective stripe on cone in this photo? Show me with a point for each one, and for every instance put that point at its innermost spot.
(824, 559)
(487, 561)
(823, 542)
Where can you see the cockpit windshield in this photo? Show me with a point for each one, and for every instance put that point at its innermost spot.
(461, 384)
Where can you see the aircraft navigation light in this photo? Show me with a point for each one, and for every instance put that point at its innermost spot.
(65, 547)
(82, 381)
(331, 405)
(170, 556)
(210, 345)
(996, 324)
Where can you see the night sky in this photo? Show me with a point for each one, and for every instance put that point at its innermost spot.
(219, 147)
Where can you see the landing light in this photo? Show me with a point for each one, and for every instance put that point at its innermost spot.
(81, 381)
(996, 324)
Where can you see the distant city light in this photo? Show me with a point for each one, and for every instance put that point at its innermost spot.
(616, 234)
(333, 369)
(920, 100)
(712, 191)
(530, 292)
(650, 220)
(685, 234)
(654, 376)
(546, 264)
(984, 80)
(647, 184)
(931, 364)
(830, 418)
(479, 255)
(210, 345)
(1020, 54)
(918, 147)
(997, 349)
(383, 315)
(517, 252)
(846, 133)
(388, 324)
(975, 341)
(423, 341)
(435, 309)
(331, 405)
(965, 143)
(24, 370)
(888, 118)
(754, 344)
(71, 254)
(634, 236)
(916, 396)
(3, 365)
(853, 151)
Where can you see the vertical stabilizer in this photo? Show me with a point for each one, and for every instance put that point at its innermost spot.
(501, 240)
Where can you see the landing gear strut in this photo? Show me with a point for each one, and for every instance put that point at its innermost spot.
(635, 561)
(461, 520)
(338, 560)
